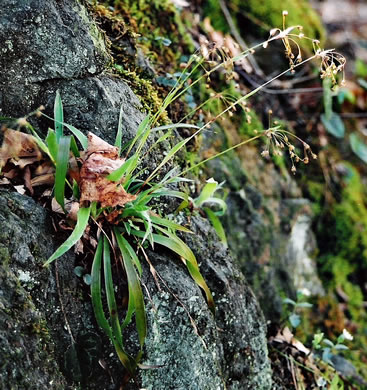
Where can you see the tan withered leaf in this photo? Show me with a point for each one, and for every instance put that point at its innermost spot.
(18, 145)
(98, 146)
(102, 159)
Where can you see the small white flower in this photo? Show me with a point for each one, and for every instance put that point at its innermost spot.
(347, 335)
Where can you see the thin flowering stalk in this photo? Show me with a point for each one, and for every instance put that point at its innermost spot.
(231, 107)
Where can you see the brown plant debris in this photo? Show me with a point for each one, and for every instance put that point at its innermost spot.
(102, 159)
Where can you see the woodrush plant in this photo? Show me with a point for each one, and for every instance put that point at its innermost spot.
(115, 197)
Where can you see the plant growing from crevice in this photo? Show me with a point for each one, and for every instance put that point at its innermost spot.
(110, 197)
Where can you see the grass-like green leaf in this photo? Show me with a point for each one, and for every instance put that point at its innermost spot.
(130, 310)
(74, 147)
(217, 225)
(175, 126)
(95, 289)
(78, 134)
(119, 130)
(169, 155)
(126, 168)
(134, 285)
(76, 191)
(110, 293)
(171, 193)
(220, 202)
(142, 129)
(52, 143)
(62, 162)
(58, 116)
(82, 222)
(41, 144)
(167, 223)
(126, 360)
(175, 244)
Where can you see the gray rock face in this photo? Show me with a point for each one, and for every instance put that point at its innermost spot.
(55, 45)
(48, 338)
(228, 352)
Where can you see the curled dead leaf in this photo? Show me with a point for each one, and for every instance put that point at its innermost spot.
(17, 145)
(286, 336)
(47, 178)
(97, 145)
(108, 193)
(101, 160)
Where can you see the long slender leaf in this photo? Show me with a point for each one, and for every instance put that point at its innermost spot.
(61, 169)
(74, 147)
(217, 225)
(95, 289)
(82, 222)
(119, 130)
(130, 310)
(40, 142)
(51, 141)
(174, 194)
(126, 168)
(134, 284)
(110, 294)
(59, 116)
(141, 130)
(220, 202)
(176, 245)
(167, 223)
(169, 155)
(78, 134)
(198, 278)
(175, 126)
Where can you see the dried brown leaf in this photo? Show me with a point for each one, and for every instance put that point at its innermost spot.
(97, 145)
(102, 190)
(10, 174)
(73, 212)
(45, 167)
(48, 178)
(18, 145)
(27, 179)
(286, 336)
(102, 159)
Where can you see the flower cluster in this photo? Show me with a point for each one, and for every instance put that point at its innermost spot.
(279, 140)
